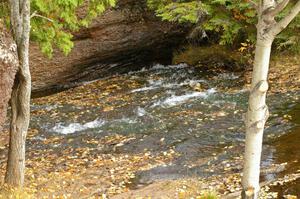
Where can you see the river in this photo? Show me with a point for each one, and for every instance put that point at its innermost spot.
(194, 114)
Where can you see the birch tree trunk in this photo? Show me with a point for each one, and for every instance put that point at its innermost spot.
(257, 115)
(20, 100)
(255, 120)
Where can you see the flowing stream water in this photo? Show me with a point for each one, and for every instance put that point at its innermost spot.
(180, 108)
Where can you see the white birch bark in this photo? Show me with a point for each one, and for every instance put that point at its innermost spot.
(256, 117)
(255, 120)
(20, 100)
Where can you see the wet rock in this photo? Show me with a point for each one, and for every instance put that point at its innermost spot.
(196, 86)
(122, 39)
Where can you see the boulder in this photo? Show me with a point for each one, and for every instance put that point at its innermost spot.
(8, 69)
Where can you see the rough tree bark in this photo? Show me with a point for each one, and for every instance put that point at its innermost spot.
(256, 117)
(20, 100)
(8, 69)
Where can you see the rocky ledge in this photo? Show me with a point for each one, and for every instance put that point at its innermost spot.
(122, 39)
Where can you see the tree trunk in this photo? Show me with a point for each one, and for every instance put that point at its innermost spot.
(20, 101)
(255, 119)
(257, 115)
(20, 104)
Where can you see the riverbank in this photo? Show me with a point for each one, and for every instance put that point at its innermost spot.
(165, 132)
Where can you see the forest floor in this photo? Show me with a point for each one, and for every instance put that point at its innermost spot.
(84, 172)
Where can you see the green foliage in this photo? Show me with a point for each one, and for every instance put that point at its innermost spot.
(53, 21)
(4, 11)
(209, 195)
(289, 38)
(179, 11)
(233, 20)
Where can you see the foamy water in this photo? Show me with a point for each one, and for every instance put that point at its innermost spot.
(156, 84)
(160, 66)
(98, 123)
(141, 112)
(179, 99)
(148, 88)
(231, 76)
(77, 127)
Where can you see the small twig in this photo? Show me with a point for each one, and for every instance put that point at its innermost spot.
(34, 14)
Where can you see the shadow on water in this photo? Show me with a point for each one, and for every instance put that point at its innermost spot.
(287, 149)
